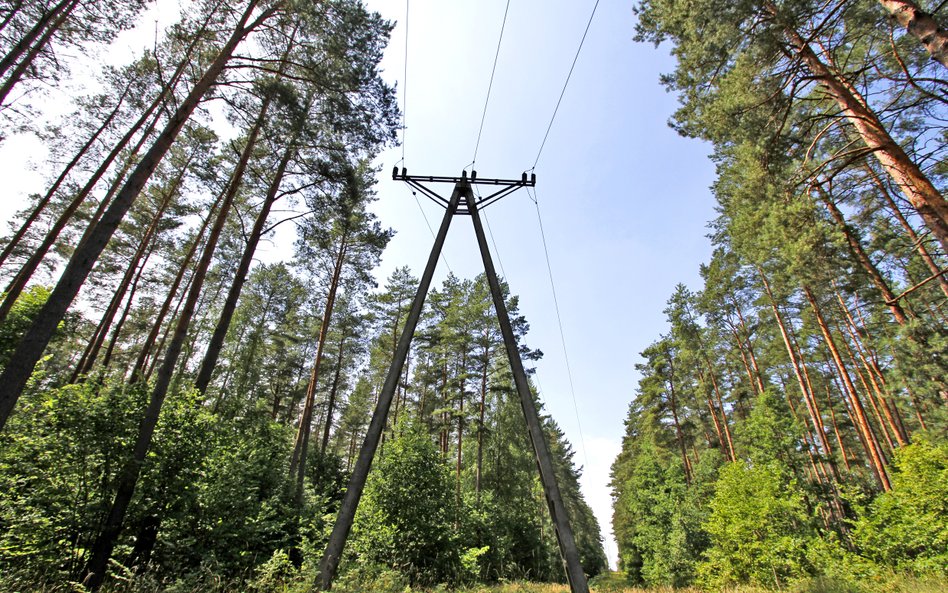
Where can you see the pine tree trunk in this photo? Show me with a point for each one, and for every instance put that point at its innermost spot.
(863, 258)
(95, 344)
(19, 282)
(915, 185)
(169, 328)
(137, 373)
(873, 403)
(34, 51)
(799, 371)
(213, 352)
(33, 42)
(918, 409)
(12, 11)
(128, 478)
(871, 374)
(298, 462)
(333, 391)
(742, 323)
(727, 431)
(480, 428)
(876, 457)
(679, 434)
(909, 231)
(117, 330)
(922, 26)
(51, 192)
(461, 380)
(813, 406)
(30, 349)
(839, 439)
(746, 362)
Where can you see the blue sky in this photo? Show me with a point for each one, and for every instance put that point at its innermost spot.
(624, 199)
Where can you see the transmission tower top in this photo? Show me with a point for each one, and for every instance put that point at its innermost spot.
(507, 186)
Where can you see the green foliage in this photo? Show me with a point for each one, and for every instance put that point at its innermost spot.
(663, 536)
(907, 528)
(20, 318)
(58, 456)
(759, 529)
(405, 519)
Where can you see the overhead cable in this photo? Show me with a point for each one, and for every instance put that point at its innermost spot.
(565, 84)
(490, 85)
(430, 229)
(405, 88)
(559, 321)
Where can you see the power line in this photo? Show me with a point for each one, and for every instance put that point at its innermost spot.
(483, 214)
(565, 84)
(559, 321)
(496, 251)
(430, 230)
(404, 125)
(491, 83)
(405, 91)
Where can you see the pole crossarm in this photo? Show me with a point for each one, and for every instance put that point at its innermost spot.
(507, 186)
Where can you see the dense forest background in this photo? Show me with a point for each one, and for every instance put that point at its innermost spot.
(176, 412)
(792, 422)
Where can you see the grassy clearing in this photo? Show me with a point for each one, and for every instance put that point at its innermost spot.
(608, 583)
(615, 583)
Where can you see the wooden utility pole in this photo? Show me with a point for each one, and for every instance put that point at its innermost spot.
(462, 191)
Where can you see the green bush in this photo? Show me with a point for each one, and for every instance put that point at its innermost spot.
(907, 527)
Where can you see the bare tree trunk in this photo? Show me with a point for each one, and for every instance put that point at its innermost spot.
(863, 258)
(298, 460)
(862, 422)
(909, 231)
(921, 26)
(915, 185)
(31, 347)
(230, 305)
(48, 196)
(33, 43)
(95, 344)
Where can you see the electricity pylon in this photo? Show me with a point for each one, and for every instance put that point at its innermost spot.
(463, 193)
